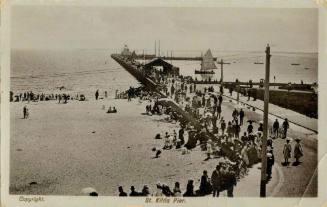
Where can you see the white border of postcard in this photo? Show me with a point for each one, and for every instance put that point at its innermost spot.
(49, 201)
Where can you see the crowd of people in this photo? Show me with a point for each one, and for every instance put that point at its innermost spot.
(31, 96)
(220, 138)
(222, 179)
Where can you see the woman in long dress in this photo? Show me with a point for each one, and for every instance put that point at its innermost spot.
(244, 154)
(298, 151)
(287, 151)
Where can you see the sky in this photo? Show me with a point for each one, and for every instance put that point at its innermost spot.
(177, 28)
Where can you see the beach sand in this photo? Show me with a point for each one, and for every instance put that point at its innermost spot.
(66, 147)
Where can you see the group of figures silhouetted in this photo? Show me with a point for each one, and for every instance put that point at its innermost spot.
(222, 179)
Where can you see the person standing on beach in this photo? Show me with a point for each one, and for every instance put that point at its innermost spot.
(285, 127)
(106, 94)
(96, 94)
(287, 151)
(25, 112)
(241, 117)
(216, 181)
(228, 180)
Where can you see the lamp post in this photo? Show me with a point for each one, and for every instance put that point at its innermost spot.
(265, 128)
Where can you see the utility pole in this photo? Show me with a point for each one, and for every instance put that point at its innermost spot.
(238, 93)
(155, 48)
(265, 128)
(159, 49)
(221, 63)
(171, 57)
(143, 57)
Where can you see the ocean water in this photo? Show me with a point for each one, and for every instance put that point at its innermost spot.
(79, 71)
(242, 67)
(85, 71)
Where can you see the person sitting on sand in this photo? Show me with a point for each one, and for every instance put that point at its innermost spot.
(133, 192)
(177, 191)
(112, 110)
(121, 191)
(145, 191)
(189, 189)
(158, 192)
(166, 190)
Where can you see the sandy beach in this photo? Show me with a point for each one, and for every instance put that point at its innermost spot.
(66, 147)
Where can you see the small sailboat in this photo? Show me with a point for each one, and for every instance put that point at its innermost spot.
(207, 64)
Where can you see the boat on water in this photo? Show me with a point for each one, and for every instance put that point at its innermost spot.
(295, 63)
(258, 63)
(207, 64)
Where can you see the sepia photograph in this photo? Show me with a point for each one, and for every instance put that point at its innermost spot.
(163, 102)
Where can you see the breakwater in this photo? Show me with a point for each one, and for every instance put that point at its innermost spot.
(138, 72)
(303, 102)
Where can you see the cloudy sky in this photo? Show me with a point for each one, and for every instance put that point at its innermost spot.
(72, 27)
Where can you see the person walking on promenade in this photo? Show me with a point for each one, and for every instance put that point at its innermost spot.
(216, 181)
(222, 125)
(235, 114)
(219, 111)
(241, 117)
(237, 131)
(298, 151)
(285, 127)
(96, 94)
(25, 112)
(121, 191)
(270, 163)
(250, 128)
(230, 130)
(276, 128)
(287, 151)
(220, 99)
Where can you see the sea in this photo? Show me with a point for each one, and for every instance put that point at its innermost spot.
(84, 71)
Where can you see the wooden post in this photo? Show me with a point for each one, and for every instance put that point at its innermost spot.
(222, 70)
(238, 93)
(265, 128)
